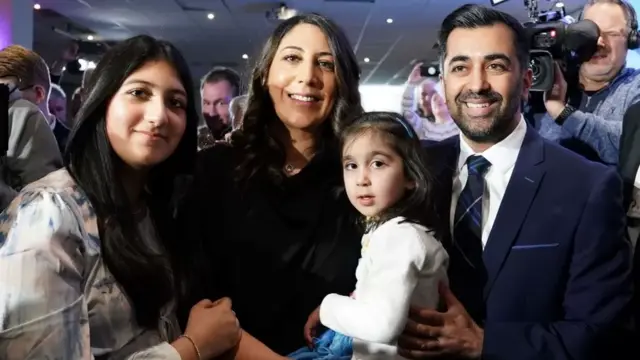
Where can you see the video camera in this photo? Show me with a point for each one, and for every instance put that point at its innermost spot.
(557, 37)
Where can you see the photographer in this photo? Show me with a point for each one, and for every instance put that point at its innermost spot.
(591, 125)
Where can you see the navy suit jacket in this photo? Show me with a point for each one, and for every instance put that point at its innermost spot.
(628, 164)
(558, 263)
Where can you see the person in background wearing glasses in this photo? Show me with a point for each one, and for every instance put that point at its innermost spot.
(589, 122)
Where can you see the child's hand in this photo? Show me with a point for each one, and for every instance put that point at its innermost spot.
(310, 327)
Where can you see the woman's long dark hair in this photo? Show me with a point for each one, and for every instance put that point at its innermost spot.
(262, 152)
(418, 204)
(92, 162)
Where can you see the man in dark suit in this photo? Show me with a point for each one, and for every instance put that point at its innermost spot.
(539, 268)
(629, 162)
(629, 166)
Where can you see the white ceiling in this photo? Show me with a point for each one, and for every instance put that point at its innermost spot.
(240, 27)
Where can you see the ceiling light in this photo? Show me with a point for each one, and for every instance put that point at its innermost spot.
(497, 2)
(366, 60)
(86, 64)
(245, 56)
(210, 16)
(36, 6)
(560, 4)
(389, 20)
(90, 37)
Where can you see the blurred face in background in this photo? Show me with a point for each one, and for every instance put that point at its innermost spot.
(612, 44)
(58, 108)
(216, 97)
(428, 88)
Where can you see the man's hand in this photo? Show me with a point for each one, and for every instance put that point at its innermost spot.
(440, 109)
(414, 77)
(556, 99)
(430, 334)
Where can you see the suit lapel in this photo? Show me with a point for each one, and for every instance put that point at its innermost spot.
(520, 192)
(443, 159)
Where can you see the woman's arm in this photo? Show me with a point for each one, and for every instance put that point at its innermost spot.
(181, 349)
(43, 313)
(250, 348)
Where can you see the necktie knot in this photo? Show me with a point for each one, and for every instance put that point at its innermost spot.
(477, 165)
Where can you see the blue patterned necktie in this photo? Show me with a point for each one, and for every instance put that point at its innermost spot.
(466, 263)
(468, 215)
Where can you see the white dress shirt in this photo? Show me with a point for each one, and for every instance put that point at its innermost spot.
(633, 220)
(502, 157)
(401, 265)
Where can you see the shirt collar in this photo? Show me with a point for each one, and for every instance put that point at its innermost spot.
(502, 155)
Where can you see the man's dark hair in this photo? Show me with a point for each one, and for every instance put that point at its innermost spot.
(472, 16)
(220, 73)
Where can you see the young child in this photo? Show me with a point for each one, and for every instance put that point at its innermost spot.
(402, 263)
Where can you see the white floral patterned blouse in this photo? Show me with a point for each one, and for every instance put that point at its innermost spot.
(57, 298)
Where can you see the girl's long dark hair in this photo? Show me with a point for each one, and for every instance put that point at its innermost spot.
(261, 151)
(419, 204)
(92, 162)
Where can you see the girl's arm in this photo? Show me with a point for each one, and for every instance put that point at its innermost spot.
(395, 260)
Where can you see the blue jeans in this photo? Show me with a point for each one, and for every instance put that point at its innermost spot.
(329, 346)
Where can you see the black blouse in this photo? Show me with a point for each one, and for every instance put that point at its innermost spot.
(276, 251)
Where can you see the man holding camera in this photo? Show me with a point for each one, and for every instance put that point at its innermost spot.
(592, 125)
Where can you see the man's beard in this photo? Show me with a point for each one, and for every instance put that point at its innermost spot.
(217, 127)
(499, 123)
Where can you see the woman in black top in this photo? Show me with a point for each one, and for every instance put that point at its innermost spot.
(275, 235)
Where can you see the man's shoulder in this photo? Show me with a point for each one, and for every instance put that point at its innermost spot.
(23, 108)
(218, 151)
(629, 81)
(215, 161)
(633, 74)
(440, 146)
(574, 168)
(440, 154)
(26, 116)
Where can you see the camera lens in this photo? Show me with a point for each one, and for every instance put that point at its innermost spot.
(541, 65)
(535, 67)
